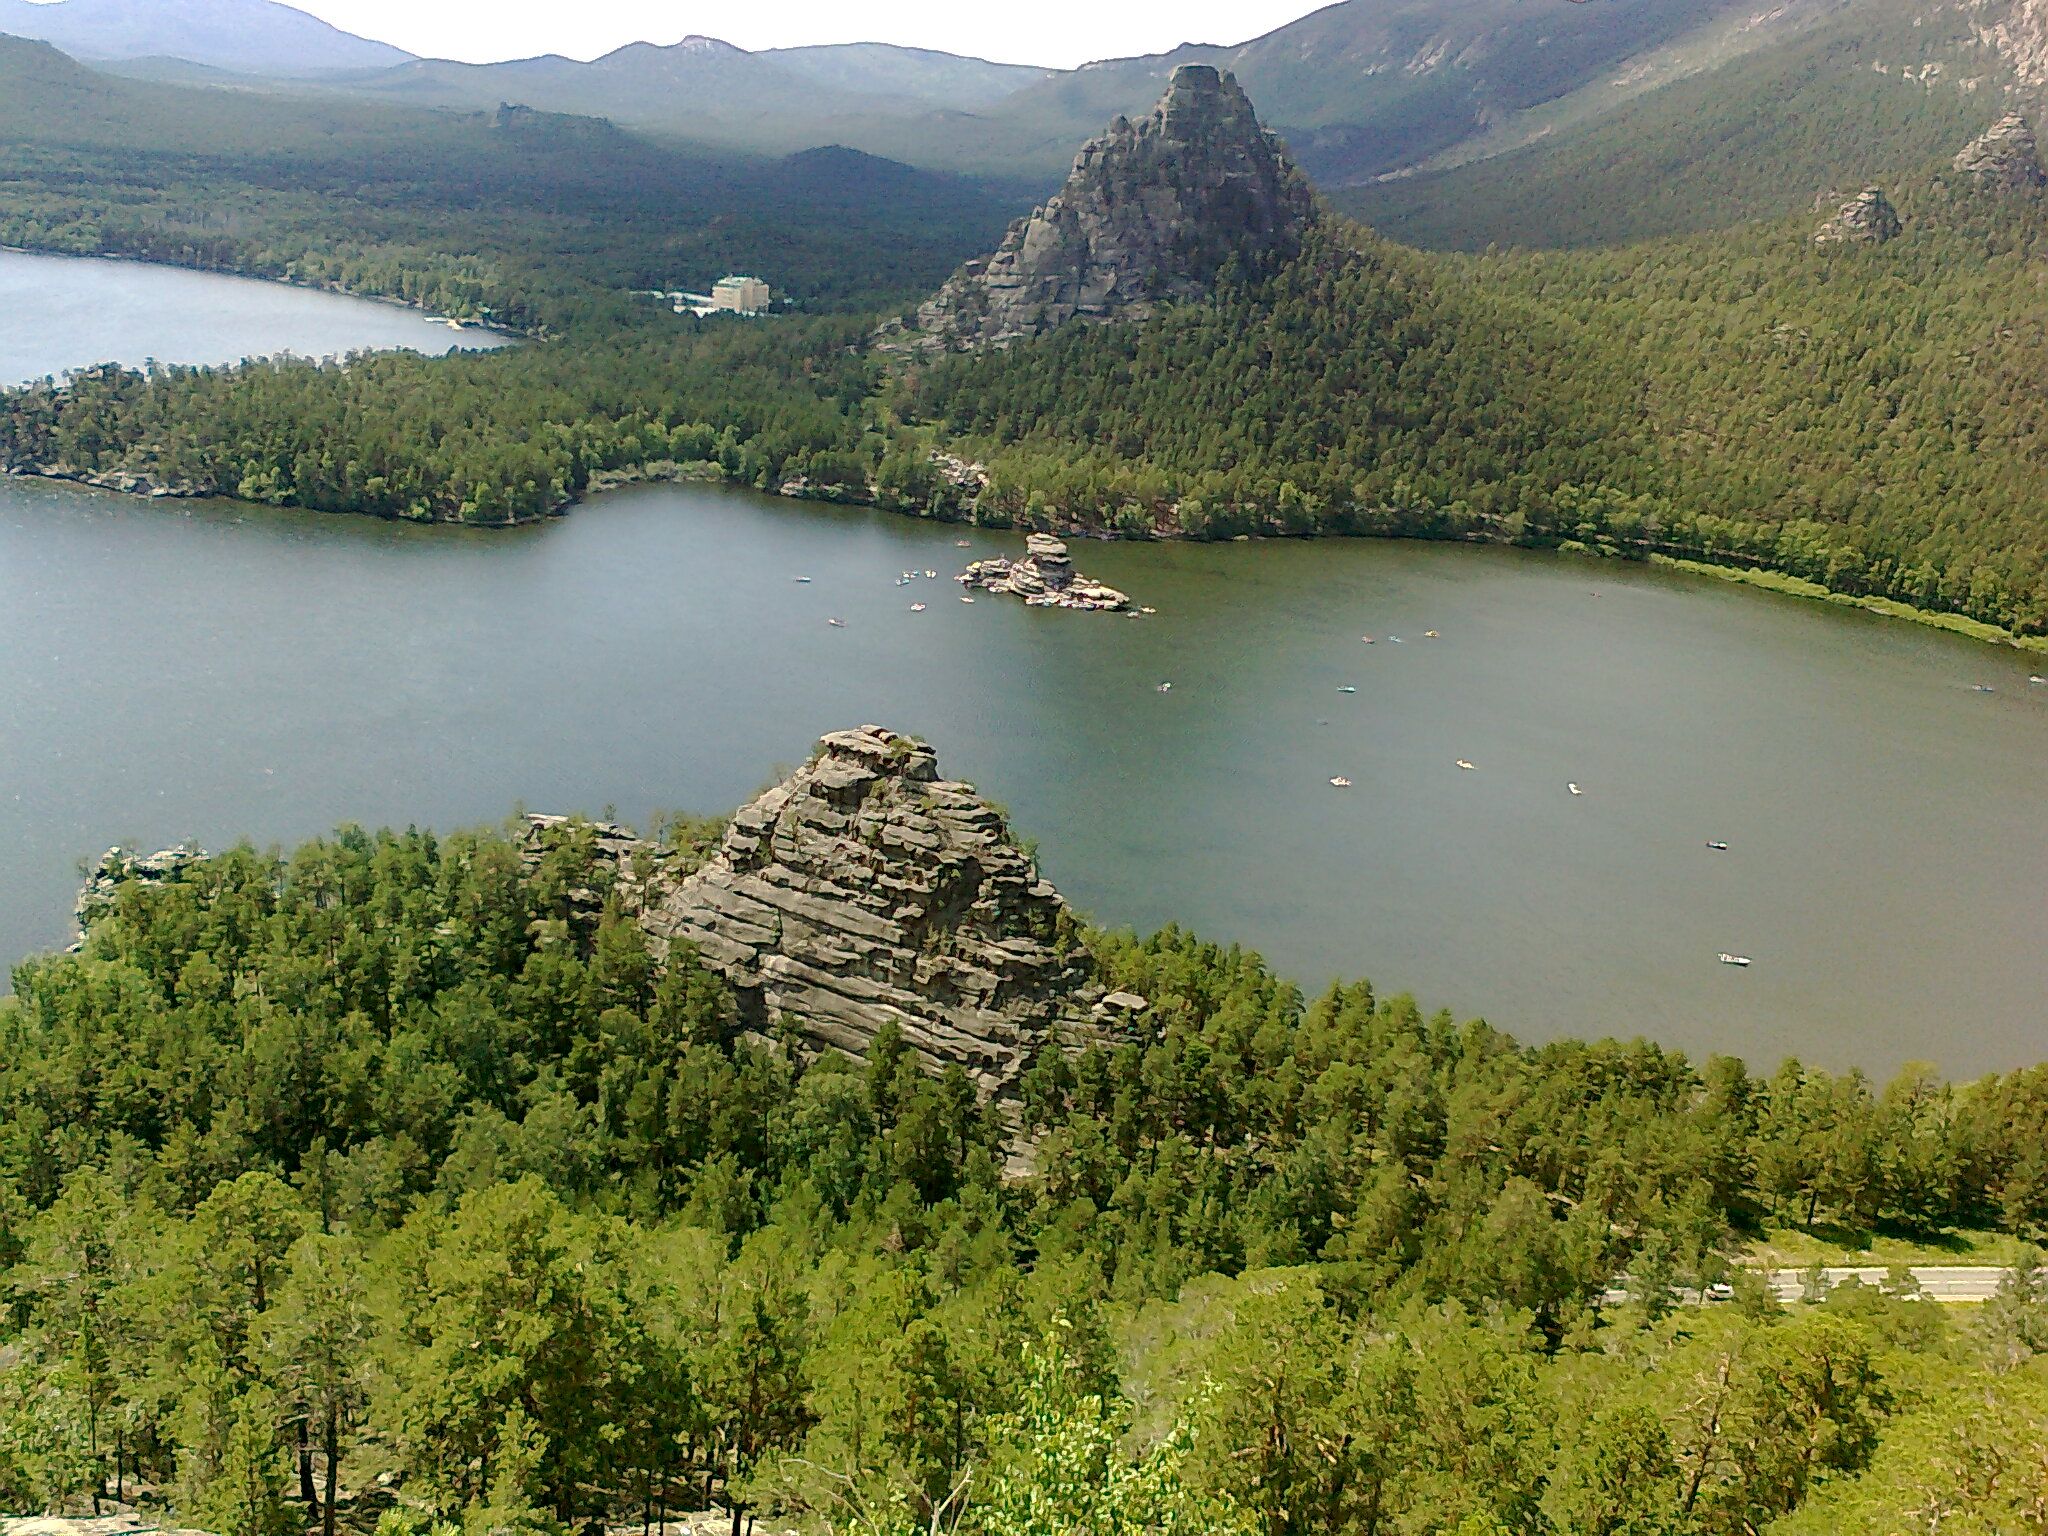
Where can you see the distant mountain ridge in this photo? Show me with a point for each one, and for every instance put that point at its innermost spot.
(260, 37)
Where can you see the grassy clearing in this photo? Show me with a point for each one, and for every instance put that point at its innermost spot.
(1794, 586)
(1794, 1248)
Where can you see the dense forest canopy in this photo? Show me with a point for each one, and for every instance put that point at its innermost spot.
(384, 1177)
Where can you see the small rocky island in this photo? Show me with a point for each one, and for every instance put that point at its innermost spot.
(1044, 578)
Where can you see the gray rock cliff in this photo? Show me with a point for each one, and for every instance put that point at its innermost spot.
(1868, 218)
(2006, 157)
(1151, 214)
(864, 891)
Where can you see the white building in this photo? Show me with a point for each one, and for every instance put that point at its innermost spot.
(740, 295)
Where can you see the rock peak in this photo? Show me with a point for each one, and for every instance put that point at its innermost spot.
(864, 891)
(1151, 214)
(1868, 218)
(2006, 157)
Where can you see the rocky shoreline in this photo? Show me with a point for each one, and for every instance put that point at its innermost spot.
(1044, 578)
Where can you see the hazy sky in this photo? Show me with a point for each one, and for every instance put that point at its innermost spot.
(1060, 32)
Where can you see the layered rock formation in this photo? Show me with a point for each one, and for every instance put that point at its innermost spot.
(1044, 578)
(2018, 31)
(866, 891)
(1151, 213)
(117, 867)
(1868, 218)
(2005, 158)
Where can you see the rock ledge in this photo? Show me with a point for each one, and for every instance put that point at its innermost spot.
(1044, 578)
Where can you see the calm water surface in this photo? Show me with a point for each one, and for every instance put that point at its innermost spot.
(59, 312)
(214, 673)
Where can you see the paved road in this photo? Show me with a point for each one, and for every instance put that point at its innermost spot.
(1952, 1282)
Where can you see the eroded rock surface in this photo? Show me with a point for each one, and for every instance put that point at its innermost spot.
(865, 891)
(1151, 213)
(1044, 578)
(117, 867)
(1868, 218)
(2005, 158)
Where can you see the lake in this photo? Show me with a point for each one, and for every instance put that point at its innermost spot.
(213, 672)
(72, 311)
(216, 672)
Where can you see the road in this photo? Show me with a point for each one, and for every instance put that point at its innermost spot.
(1952, 1282)
(1937, 1282)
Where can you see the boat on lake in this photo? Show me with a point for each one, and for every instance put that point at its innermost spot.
(1575, 789)
(1741, 961)
(1468, 765)
(1347, 688)
(1340, 782)
(1718, 847)
(837, 623)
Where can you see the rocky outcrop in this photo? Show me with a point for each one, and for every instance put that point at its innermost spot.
(2005, 158)
(1868, 218)
(2018, 31)
(1151, 213)
(117, 867)
(866, 891)
(1044, 578)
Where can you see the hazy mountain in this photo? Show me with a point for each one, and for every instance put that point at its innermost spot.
(709, 91)
(921, 74)
(258, 37)
(1359, 89)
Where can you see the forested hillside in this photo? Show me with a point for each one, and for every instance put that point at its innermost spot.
(1887, 87)
(528, 215)
(385, 1175)
(1864, 417)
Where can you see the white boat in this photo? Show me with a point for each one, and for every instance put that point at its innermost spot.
(1718, 847)
(1164, 688)
(917, 607)
(837, 623)
(802, 581)
(1741, 960)
(1347, 688)
(1430, 634)
(1468, 765)
(1155, 610)
(963, 543)
(966, 599)
(2038, 681)
(1340, 782)
(1367, 639)
(931, 575)
(1575, 789)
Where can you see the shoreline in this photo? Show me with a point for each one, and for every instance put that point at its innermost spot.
(1766, 580)
(1761, 579)
(510, 332)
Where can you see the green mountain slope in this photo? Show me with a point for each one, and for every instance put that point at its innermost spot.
(1869, 418)
(1881, 89)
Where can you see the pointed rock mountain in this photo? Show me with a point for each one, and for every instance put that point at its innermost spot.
(2005, 158)
(1868, 218)
(865, 891)
(1151, 214)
